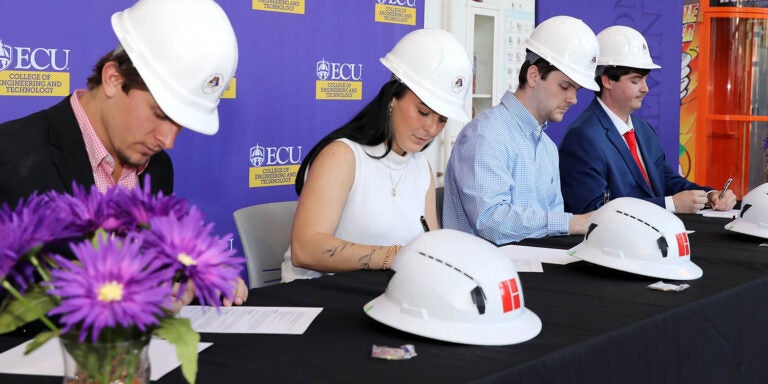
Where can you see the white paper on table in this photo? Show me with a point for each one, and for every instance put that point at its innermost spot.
(732, 214)
(272, 320)
(522, 265)
(48, 361)
(537, 254)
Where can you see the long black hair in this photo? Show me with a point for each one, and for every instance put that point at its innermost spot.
(369, 127)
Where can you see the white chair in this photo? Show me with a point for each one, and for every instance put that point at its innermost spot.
(439, 196)
(265, 233)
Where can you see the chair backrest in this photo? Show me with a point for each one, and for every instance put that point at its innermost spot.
(439, 191)
(265, 232)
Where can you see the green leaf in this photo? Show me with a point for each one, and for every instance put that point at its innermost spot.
(40, 339)
(14, 313)
(179, 332)
(100, 234)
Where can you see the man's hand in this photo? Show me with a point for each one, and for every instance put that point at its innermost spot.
(179, 301)
(725, 204)
(579, 224)
(240, 294)
(689, 201)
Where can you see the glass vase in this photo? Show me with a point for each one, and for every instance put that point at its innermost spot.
(118, 362)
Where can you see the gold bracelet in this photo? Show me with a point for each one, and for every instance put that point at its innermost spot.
(388, 256)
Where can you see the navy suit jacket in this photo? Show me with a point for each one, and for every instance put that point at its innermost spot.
(594, 159)
(45, 151)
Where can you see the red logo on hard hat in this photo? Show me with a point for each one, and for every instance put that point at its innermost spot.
(683, 245)
(510, 295)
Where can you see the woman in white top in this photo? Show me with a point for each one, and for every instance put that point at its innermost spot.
(363, 188)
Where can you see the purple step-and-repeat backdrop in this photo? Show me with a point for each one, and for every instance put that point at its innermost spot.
(305, 68)
(660, 21)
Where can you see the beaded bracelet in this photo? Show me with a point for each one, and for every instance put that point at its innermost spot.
(388, 256)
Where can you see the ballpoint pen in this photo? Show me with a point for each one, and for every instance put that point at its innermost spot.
(725, 188)
(606, 197)
(424, 224)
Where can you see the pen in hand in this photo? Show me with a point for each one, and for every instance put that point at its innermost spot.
(725, 188)
(424, 224)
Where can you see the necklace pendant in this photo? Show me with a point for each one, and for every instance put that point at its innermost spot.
(394, 192)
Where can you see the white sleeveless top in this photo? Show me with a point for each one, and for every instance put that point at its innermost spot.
(372, 215)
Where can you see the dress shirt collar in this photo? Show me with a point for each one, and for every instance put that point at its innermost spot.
(621, 126)
(527, 123)
(97, 153)
(102, 163)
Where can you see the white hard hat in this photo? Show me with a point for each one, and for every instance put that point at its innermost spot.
(624, 46)
(452, 286)
(753, 217)
(568, 44)
(436, 67)
(637, 236)
(186, 53)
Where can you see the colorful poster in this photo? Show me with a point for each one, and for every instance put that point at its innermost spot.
(305, 67)
(688, 82)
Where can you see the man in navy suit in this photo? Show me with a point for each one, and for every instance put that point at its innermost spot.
(609, 153)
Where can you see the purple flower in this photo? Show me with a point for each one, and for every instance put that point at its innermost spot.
(140, 205)
(89, 210)
(25, 230)
(187, 244)
(8, 255)
(117, 284)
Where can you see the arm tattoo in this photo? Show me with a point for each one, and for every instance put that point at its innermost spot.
(365, 260)
(331, 252)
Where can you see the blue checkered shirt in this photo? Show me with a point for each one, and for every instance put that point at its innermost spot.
(502, 182)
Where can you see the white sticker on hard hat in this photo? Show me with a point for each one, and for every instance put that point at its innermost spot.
(458, 85)
(213, 84)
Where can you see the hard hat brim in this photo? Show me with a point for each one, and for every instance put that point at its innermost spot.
(422, 91)
(610, 62)
(677, 271)
(518, 329)
(741, 226)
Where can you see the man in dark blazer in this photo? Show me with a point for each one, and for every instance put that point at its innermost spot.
(138, 97)
(46, 152)
(596, 155)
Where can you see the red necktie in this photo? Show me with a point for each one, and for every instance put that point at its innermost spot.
(629, 136)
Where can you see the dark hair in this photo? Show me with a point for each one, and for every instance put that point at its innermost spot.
(544, 66)
(131, 77)
(369, 127)
(615, 72)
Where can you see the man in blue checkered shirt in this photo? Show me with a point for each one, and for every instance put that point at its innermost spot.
(502, 182)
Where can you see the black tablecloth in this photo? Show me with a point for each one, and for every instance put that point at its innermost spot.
(599, 326)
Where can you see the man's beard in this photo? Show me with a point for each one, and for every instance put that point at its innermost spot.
(125, 160)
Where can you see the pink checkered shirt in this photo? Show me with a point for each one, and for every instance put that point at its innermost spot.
(102, 163)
